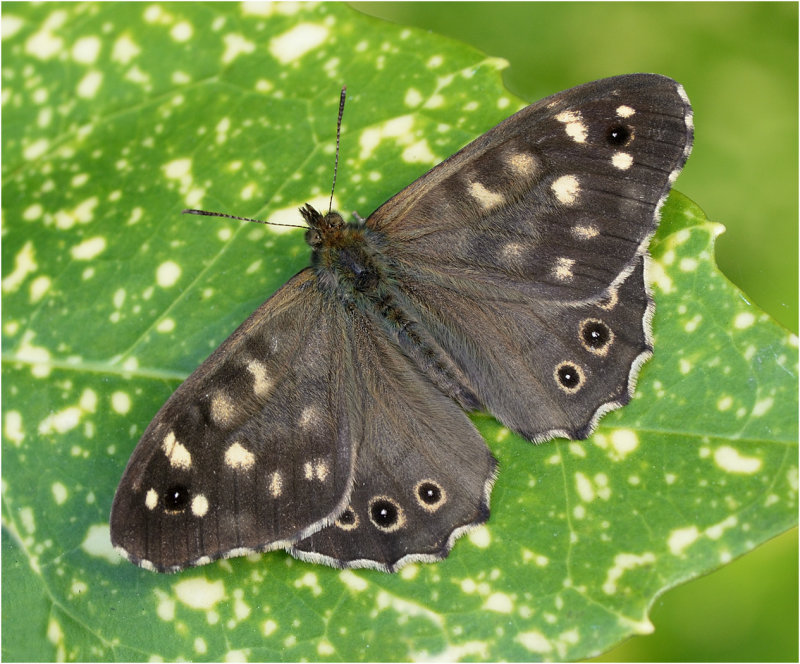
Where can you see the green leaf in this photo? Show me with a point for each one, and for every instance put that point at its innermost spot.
(115, 117)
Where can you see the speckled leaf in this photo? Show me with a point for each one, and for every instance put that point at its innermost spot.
(115, 117)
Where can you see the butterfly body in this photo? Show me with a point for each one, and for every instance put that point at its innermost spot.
(350, 267)
(509, 278)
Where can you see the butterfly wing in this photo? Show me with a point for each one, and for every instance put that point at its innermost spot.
(543, 368)
(408, 502)
(255, 449)
(523, 255)
(304, 412)
(555, 202)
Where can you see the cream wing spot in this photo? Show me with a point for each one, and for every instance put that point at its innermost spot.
(239, 458)
(566, 188)
(151, 499)
(511, 252)
(563, 269)
(573, 125)
(625, 111)
(309, 417)
(261, 381)
(222, 409)
(199, 505)
(622, 160)
(321, 469)
(585, 232)
(485, 198)
(177, 454)
(276, 484)
(316, 469)
(522, 164)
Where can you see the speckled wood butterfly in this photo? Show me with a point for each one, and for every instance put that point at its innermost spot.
(510, 278)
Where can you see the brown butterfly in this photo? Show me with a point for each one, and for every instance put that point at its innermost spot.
(509, 278)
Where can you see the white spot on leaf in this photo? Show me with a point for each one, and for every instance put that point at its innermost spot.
(744, 320)
(535, 641)
(24, 264)
(297, 41)
(167, 274)
(199, 593)
(97, 543)
(732, 461)
(622, 563)
(499, 603)
(480, 537)
(89, 249)
(681, 538)
(60, 493)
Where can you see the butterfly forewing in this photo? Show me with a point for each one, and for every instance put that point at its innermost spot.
(254, 449)
(556, 201)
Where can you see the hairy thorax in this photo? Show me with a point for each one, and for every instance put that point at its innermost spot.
(351, 266)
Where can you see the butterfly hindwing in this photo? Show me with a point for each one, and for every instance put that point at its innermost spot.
(408, 502)
(543, 368)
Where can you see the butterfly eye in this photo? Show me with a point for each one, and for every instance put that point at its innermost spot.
(596, 336)
(569, 377)
(176, 498)
(386, 514)
(430, 495)
(618, 135)
(313, 238)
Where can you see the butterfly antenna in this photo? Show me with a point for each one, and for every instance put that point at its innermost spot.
(206, 213)
(338, 132)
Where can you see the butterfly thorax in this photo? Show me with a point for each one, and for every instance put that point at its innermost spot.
(350, 266)
(345, 257)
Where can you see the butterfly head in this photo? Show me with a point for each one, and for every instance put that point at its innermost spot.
(320, 226)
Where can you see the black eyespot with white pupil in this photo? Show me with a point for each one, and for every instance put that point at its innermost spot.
(383, 513)
(386, 514)
(569, 377)
(595, 334)
(348, 520)
(618, 135)
(429, 493)
(176, 498)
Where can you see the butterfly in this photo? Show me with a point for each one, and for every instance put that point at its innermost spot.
(510, 278)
